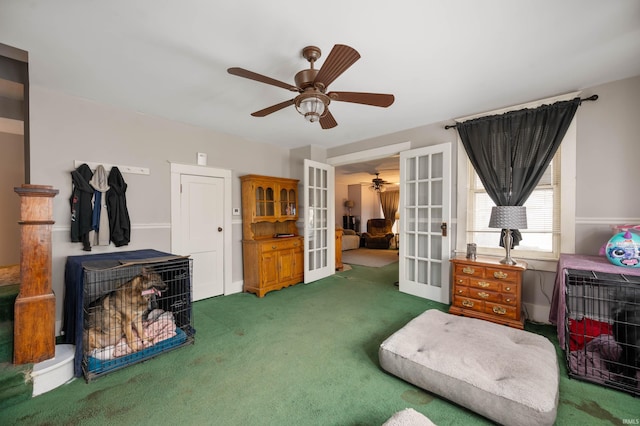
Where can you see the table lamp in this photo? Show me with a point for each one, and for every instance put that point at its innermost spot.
(508, 218)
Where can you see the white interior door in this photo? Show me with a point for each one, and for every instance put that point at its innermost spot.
(319, 221)
(425, 215)
(202, 232)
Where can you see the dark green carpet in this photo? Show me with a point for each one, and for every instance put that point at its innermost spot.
(305, 355)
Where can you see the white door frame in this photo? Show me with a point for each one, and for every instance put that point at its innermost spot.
(176, 223)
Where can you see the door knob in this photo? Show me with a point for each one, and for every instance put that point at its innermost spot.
(219, 229)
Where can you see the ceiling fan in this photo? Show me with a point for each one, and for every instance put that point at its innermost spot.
(378, 185)
(311, 84)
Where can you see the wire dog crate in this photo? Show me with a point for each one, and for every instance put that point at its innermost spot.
(134, 311)
(602, 325)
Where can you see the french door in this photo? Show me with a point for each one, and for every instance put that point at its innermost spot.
(319, 221)
(425, 216)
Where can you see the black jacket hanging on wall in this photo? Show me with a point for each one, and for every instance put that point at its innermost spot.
(119, 224)
(81, 209)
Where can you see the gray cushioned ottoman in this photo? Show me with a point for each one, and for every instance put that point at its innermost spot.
(507, 375)
(408, 417)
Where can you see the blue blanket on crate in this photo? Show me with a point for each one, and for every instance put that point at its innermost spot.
(73, 316)
(98, 366)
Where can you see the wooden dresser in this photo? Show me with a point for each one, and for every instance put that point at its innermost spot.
(486, 289)
(272, 250)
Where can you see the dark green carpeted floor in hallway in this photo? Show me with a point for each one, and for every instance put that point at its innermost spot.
(305, 355)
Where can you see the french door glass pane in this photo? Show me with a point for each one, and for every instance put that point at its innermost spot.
(423, 245)
(423, 167)
(411, 194)
(436, 274)
(411, 244)
(436, 192)
(410, 221)
(423, 271)
(410, 169)
(436, 247)
(437, 165)
(411, 269)
(423, 193)
(436, 219)
(423, 219)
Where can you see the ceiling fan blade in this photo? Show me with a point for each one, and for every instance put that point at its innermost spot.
(327, 121)
(241, 72)
(273, 108)
(339, 60)
(373, 99)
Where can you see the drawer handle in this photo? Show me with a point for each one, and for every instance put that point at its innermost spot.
(498, 310)
(508, 300)
(507, 289)
(295, 244)
(500, 275)
(460, 291)
(274, 247)
(483, 294)
(483, 284)
(468, 270)
(467, 303)
(460, 281)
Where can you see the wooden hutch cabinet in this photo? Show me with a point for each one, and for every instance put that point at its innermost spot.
(487, 289)
(273, 252)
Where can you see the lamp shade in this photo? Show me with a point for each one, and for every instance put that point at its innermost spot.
(508, 217)
(349, 204)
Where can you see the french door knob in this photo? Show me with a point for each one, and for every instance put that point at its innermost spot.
(219, 229)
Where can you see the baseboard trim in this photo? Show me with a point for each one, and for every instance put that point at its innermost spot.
(235, 287)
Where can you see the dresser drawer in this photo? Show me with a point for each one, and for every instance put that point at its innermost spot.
(461, 291)
(511, 288)
(501, 310)
(479, 294)
(501, 274)
(485, 284)
(469, 271)
(282, 244)
(509, 299)
(467, 303)
(458, 280)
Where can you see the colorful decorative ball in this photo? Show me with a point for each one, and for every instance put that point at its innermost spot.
(623, 249)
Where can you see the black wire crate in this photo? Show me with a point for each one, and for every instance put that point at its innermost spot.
(602, 326)
(134, 311)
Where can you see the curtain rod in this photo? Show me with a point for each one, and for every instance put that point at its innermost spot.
(590, 98)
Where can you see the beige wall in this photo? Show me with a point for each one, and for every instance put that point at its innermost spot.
(65, 128)
(608, 162)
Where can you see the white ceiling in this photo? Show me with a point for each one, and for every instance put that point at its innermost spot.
(441, 59)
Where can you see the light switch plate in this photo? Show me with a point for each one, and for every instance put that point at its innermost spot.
(202, 159)
(236, 211)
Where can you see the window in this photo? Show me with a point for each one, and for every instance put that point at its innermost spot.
(550, 208)
(541, 240)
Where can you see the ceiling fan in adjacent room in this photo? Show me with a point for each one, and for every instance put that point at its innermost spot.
(311, 84)
(378, 185)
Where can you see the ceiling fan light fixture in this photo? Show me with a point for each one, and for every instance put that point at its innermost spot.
(312, 106)
(377, 184)
(378, 187)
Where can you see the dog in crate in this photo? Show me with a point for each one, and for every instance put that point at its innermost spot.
(121, 312)
(626, 332)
